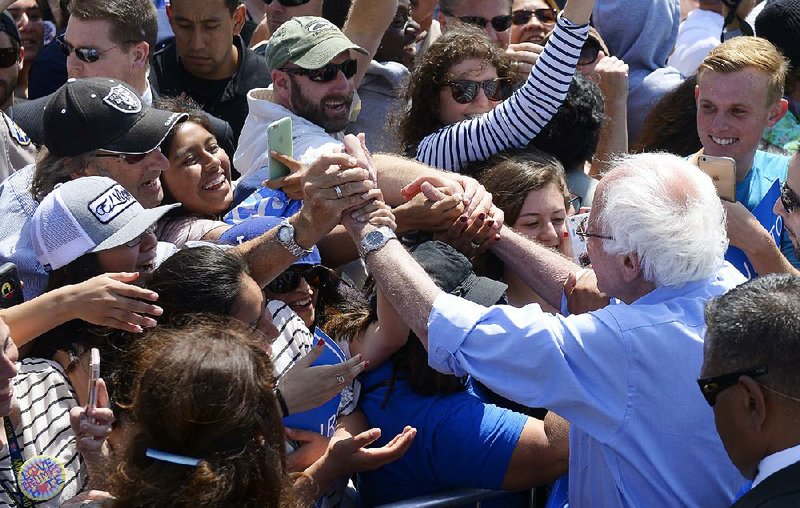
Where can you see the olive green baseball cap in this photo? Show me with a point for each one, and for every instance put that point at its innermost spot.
(308, 42)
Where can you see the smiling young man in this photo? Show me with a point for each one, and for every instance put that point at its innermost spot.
(208, 61)
(739, 93)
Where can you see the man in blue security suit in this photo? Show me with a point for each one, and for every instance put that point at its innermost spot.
(624, 376)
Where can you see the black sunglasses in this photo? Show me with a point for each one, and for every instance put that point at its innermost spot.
(499, 23)
(8, 57)
(465, 91)
(130, 158)
(788, 198)
(327, 72)
(288, 3)
(523, 16)
(589, 53)
(583, 234)
(289, 280)
(84, 54)
(712, 386)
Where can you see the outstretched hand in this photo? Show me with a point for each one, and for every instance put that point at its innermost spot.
(109, 300)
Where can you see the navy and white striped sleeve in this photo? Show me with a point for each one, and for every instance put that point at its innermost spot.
(518, 119)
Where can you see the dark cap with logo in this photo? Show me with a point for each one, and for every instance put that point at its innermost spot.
(103, 114)
(308, 42)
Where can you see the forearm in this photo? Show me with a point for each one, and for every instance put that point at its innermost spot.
(31, 319)
(766, 257)
(543, 269)
(395, 172)
(578, 11)
(365, 26)
(613, 137)
(337, 248)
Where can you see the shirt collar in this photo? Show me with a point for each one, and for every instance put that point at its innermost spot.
(771, 464)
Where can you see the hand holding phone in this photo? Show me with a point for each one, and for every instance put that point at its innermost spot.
(94, 368)
(10, 286)
(722, 171)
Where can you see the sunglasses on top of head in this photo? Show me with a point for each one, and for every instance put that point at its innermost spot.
(499, 23)
(85, 54)
(288, 3)
(465, 91)
(523, 16)
(8, 57)
(328, 72)
(289, 280)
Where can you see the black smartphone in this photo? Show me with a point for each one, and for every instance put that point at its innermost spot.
(10, 286)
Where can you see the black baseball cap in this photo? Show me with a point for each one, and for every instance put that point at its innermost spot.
(452, 272)
(9, 26)
(103, 114)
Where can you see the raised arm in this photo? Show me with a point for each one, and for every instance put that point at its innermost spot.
(518, 119)
(365, 25)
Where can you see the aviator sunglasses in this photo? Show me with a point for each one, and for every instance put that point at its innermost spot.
(8, 57)
(465, 91)
(499, 23)
(289, 280)
(130, 158)
(288, 3)
(327, 72)
(84, 53)
(523, 16)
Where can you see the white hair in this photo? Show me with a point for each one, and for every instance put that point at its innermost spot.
(666, 211)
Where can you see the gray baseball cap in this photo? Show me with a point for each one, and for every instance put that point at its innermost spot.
(88, 214)
(308, 42)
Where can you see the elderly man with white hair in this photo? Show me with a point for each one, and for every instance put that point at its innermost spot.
(624, 375)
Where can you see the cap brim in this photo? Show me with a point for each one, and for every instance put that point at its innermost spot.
(147, 134)
(325, 51)
(135, 227)
(486, 291)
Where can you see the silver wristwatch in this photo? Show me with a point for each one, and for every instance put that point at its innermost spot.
(286, 238)
(375, 239)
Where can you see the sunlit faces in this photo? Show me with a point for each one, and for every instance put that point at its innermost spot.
(325, 103)
(139, 255)
(451, 111)
(31, 26)
(791, 221)
(278, 14)
(203, 36)
(142, 179)
(199, 173)
(8, 369)
(10, 74)
(534, 30)
(398, 42)
(732, 112)
(302, 300)
(543, 217)
(116, 61)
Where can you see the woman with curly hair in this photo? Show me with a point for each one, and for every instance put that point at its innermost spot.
(461, 106)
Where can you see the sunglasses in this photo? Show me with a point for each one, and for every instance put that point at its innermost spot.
(288, 3)
(523, 16)
(289, 280)
(328, 72)
(581, 232)
(499, 23)
(8, 57)
(589, 53)
(136, 241)
(712, 386)
(465, 91)
(84, 53)
(130, 158)
(789, 199)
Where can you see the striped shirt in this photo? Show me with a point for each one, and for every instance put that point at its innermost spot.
(518, 119)
(44, 396)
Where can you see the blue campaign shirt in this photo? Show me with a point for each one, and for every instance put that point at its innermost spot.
(461, 440)
(767, 168)
(624, 376)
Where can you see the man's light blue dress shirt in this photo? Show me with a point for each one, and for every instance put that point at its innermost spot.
(624, 376)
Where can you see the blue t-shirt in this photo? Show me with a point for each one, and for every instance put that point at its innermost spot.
(461, 441)
(767, 167)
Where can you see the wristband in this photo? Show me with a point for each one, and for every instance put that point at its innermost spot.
(281, 402)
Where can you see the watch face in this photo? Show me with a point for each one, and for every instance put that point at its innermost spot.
(373, 238)
(285, 234)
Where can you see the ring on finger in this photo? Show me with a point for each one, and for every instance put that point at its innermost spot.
(340, 379)
(474, 244)
(338, 190)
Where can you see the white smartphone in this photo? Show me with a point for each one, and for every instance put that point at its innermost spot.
(94, 375)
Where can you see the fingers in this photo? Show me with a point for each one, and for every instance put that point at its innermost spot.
(120, 285)
(364, 439)
(102, 395)
(292, 164)
(569, 284)
(432, 193)
(311, 356)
